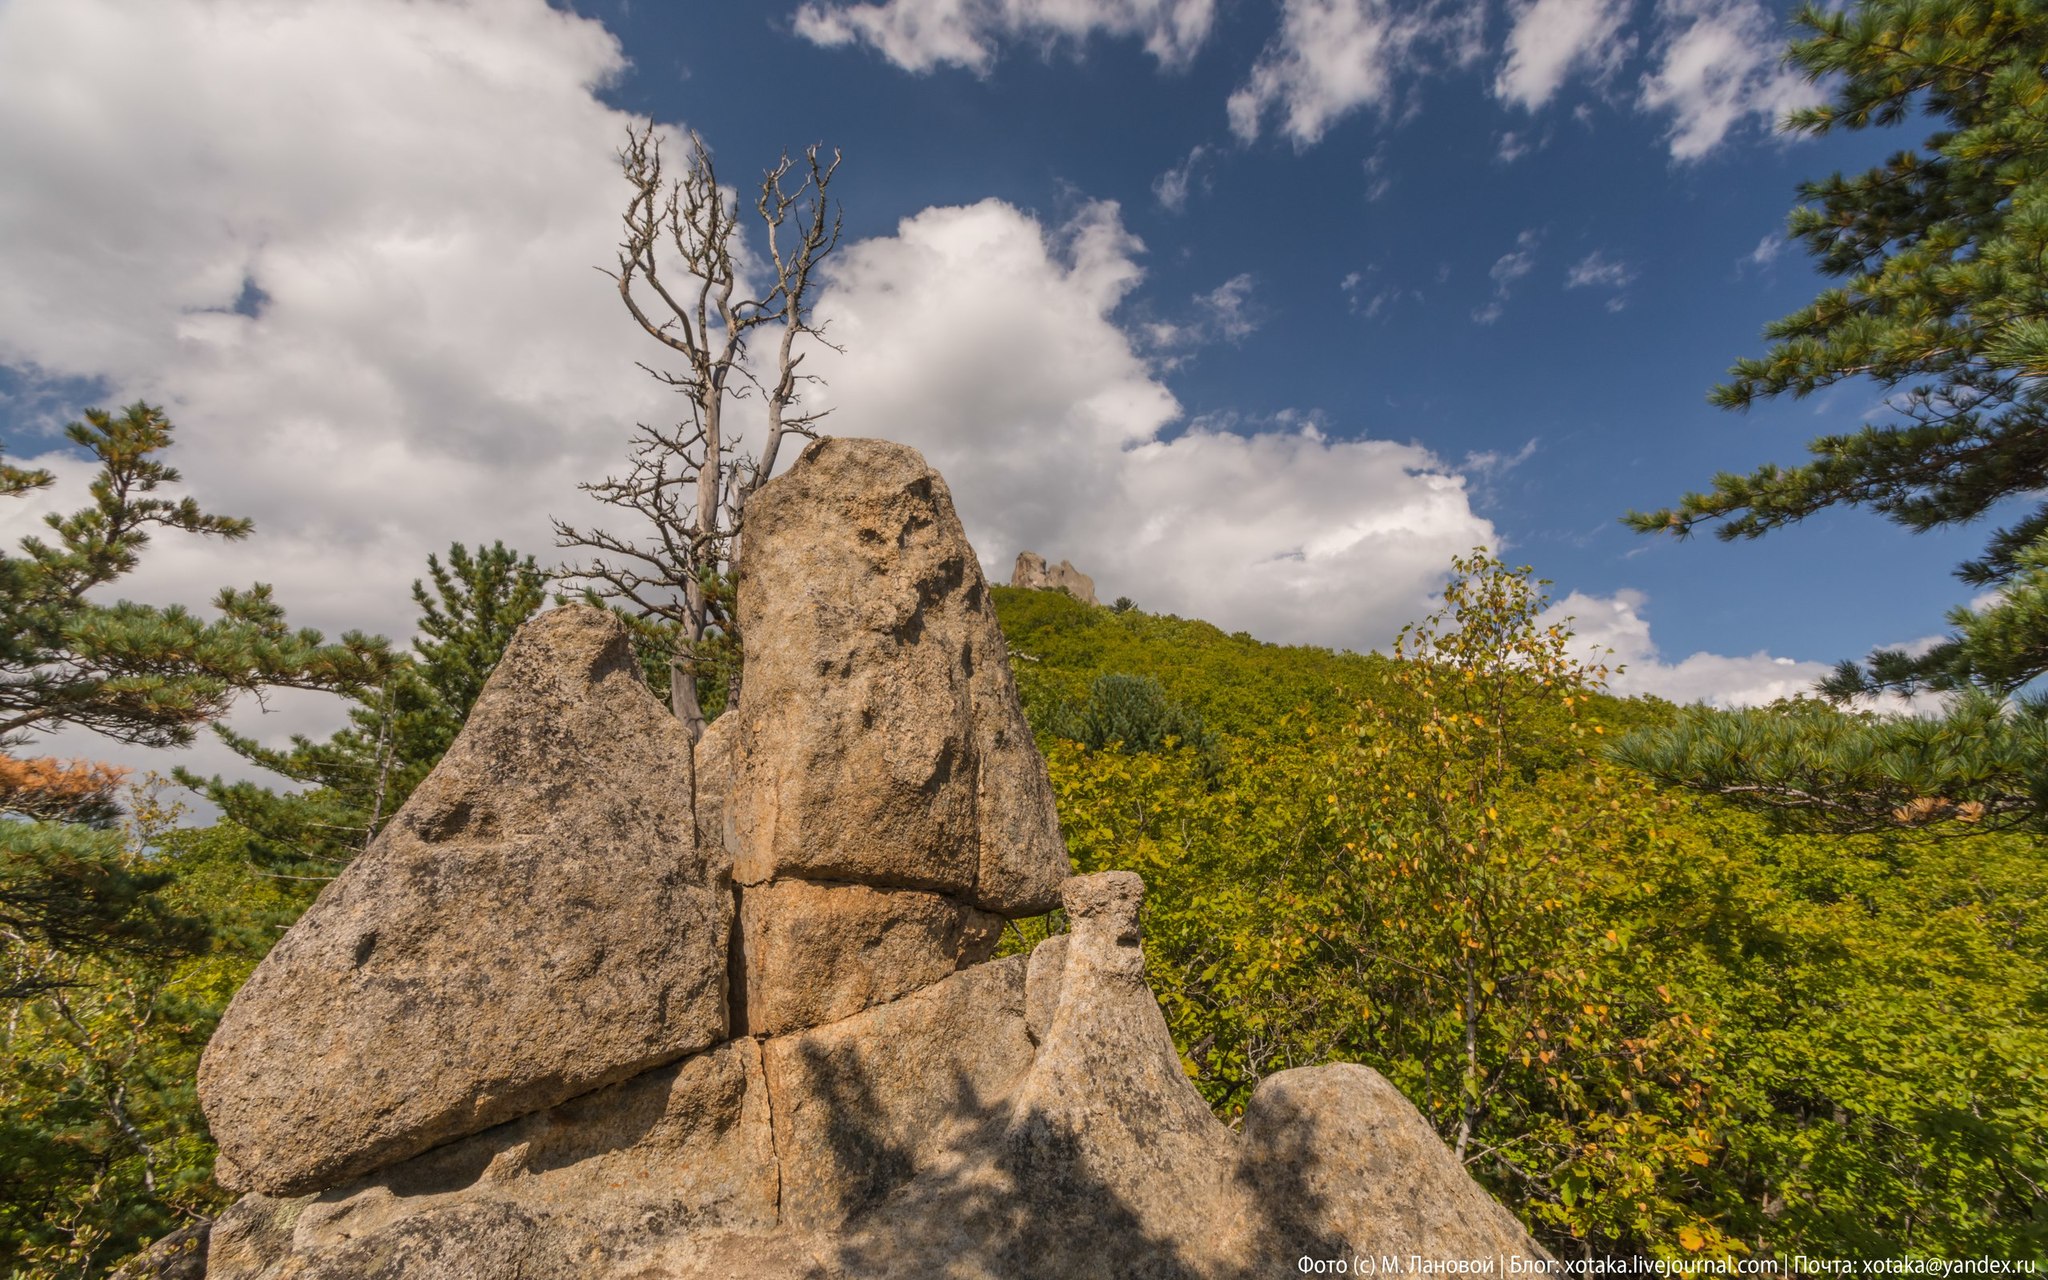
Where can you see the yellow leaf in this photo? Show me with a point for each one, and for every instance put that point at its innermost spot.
(1691, 1239)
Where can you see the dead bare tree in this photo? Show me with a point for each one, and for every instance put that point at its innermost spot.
(689, 483)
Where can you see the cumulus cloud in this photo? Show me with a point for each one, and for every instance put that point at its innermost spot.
(360, 283)
(1554, 39)
(406, 199)
(1334, 57)
(1718, 66)
(920, 35)
(1616, 623)
(990, 342)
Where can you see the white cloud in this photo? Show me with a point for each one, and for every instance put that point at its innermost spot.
(1492, 463)
(1766, 251)
(420, 189)
(1553, 39)
(991, 344)
(1617, 623)
(1597, 270)
(1377, 180)
(1511, 146)
(1231, 314)
(1333, 57)
(1171, 188)
(1361, 298)
(919, 35)
(1509, 268)
(1719, 66)
(1485, 469)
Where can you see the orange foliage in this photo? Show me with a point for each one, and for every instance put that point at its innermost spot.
(58, 789)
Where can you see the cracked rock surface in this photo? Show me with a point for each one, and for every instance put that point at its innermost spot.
(538, 921)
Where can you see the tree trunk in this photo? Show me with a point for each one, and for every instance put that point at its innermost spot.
(1468, 1103)
(682, 698)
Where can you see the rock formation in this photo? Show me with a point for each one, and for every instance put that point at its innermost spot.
(1032, 572)
(585, 1011)
(879, 736)
(537, 922)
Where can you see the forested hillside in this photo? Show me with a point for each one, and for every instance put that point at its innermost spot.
(1691, 1031)
(1649, 1022)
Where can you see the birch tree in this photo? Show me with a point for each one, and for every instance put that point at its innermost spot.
(685, 276)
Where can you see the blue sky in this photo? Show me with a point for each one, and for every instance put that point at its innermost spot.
(1258, 311)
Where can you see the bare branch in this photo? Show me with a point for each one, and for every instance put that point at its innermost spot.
(688, 485)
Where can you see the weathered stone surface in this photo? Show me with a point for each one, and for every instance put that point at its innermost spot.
(714, 762)
(252, 1239)
(1106, 1113)
(483, 1240)
(922, 1137)
(1042, 985)
(538, 921)
(865, 1105)
(880, 739)
(808, 953)
(682, 1150)
(1334, 1161)
(1033, 573)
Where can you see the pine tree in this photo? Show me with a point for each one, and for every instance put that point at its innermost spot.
(1942, 258)
(135, 673)
(397, 731)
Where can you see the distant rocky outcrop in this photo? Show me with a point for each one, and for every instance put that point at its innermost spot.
(587, 1011)
(1034, 573)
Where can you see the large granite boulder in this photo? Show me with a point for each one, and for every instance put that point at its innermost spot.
(879, 736)
(537, 922)
(1336, 1163)
(937, 1134)
(539, 1030)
